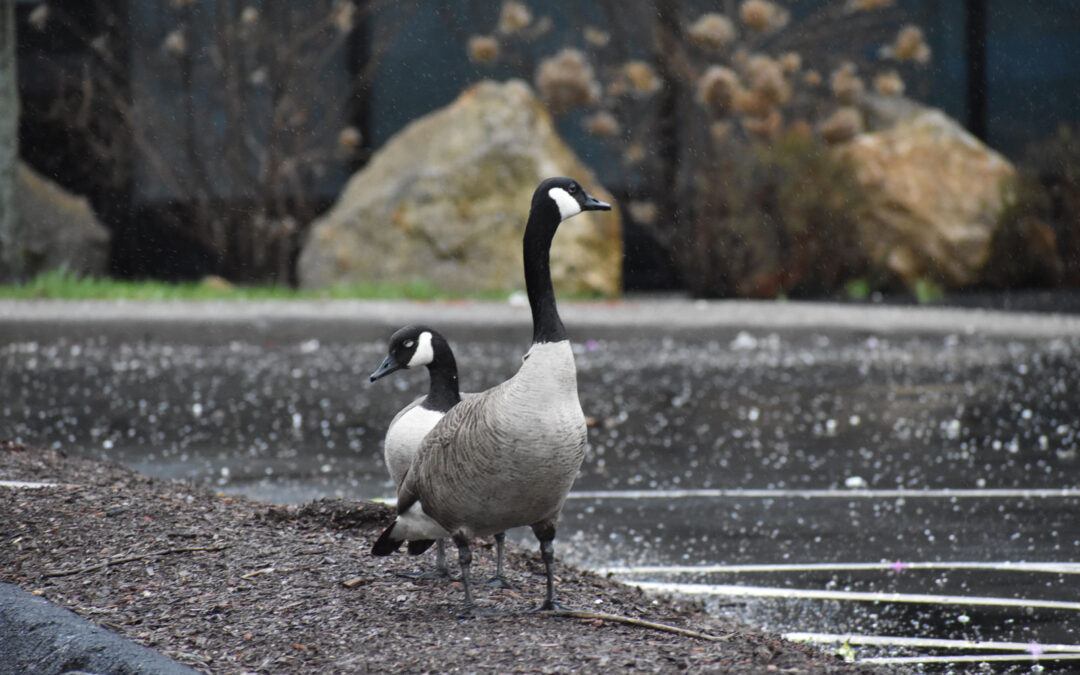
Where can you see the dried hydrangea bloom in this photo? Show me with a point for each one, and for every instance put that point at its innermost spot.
(765, 128)
(800, 129)
(846, 85)
(602, 124)
(596, 37)
(343, 16)
(889, 83)
(843, 125)
(765, 77)
(909, 45)
(763, 16)
(790, 62)
(641, 77)
(483, 49)
(750, 102)
(812, 78)
(39, 17)
(249, 16)
(175, 43)
(514, 16)
(717, 88)
(719, 131)
(643, 212)
(635, 152)
(712, 31)
(565, 81)
(349, 139)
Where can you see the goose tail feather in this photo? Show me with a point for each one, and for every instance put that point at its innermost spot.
(418, 546)
(387, 543)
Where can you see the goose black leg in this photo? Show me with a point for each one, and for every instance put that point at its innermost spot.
(545, 532)
(499, 580)
(465, 560)
(441, 571)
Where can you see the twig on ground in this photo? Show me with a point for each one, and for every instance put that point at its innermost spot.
(631, 621)
(133, 558)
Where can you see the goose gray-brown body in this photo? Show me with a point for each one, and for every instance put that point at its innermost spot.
(508, 456)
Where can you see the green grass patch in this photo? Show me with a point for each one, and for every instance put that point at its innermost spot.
(59, 285)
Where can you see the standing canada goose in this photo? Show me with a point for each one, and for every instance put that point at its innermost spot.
(506, 457)
(412, 347)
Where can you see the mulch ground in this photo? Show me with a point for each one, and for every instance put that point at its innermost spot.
(228, 585)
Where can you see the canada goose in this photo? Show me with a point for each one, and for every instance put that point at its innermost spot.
(506, 457)
(412, 347)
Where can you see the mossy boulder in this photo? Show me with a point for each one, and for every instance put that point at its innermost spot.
(446, 199)
(56, 230)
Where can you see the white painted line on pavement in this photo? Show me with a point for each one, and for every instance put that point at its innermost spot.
(898, 566)
(931, 643)
(906, 493)
(854, 596)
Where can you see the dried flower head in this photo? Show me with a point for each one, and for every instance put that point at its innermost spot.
(249, 16)
(643, 212)
(483, 49)
(909, 45)
(39, 17)
(717, 89)
(712, 31)
(843, 125)
(343, 16)
(765, 78)
(800, 129)
(763, 16)
(259, 76)
(641, 78)
(750, 102)
(602, 124)
(790, 62)
(514, 16)
(596, 37)
(719, 131)
(812, 78)
(765, 128)
(846, 85)
(175, 43)
(566, 81)
(349, 139)
(635, 152)
(889, 83)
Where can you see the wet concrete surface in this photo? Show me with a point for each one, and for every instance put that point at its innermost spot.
(724, 434)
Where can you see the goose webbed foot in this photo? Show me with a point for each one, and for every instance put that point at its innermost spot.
(499, 581)
(552, 606)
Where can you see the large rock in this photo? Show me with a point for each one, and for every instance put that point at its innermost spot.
(56, 230)
(935, 193)
(446, 200)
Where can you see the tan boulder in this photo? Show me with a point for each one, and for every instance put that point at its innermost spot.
(446, 199)
(56, 229)
(935, 196)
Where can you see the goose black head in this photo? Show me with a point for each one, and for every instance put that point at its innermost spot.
(410, 347)
(566, 197)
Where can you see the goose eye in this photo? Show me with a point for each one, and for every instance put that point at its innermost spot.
(409, 344)
(572, 189)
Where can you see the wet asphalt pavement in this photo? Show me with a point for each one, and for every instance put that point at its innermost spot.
(741, 451)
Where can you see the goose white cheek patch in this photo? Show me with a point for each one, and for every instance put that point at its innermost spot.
(424, 353)
(568, 206)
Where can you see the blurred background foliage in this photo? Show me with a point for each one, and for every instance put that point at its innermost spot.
(209, 134)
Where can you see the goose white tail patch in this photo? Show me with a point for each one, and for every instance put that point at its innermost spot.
(424, 353)
(415, 524)
(568, 206)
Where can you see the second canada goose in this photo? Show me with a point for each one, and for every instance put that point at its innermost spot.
(413, 347)
(506, 457)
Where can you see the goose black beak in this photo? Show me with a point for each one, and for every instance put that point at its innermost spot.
(594, 204)
(389, 365)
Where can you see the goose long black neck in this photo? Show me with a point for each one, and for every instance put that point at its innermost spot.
(443, 392)
(544, 219)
